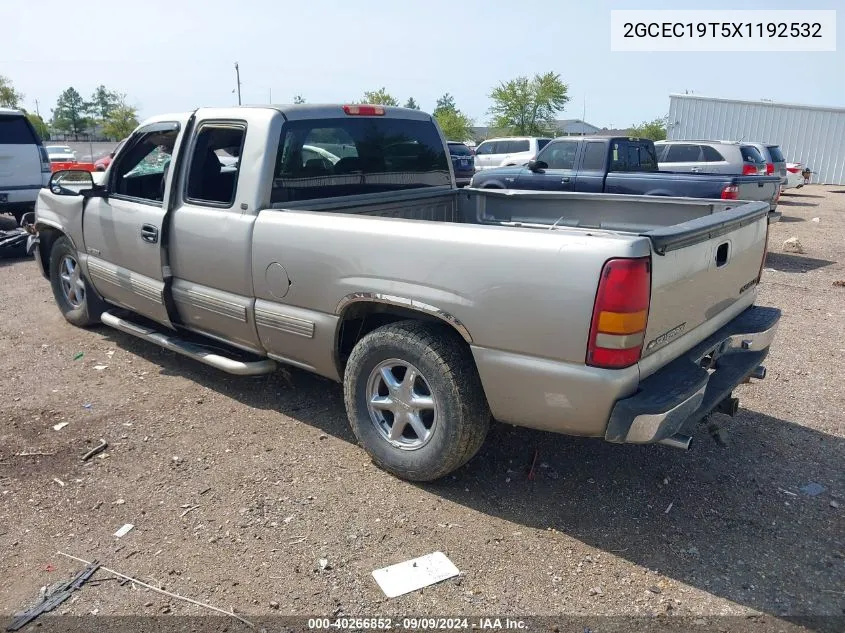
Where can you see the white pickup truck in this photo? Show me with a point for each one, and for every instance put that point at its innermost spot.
(332, 238)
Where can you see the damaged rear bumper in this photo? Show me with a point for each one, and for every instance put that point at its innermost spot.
(690, 387)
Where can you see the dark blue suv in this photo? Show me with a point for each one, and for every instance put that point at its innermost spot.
(463, 163)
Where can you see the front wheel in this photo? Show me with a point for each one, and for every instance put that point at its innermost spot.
(76, 299)
(415, 401)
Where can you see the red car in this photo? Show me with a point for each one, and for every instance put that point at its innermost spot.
(103, 163)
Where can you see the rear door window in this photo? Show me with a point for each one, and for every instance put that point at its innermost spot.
(484, 149)
(711, 154)
(776, 154)
(326, 158)
(683, 153)
(595, 154)
(515, 147)
(16, 130)
(215, 163)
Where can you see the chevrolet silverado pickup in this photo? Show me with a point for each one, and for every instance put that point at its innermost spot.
(613, 164)
(334, 240)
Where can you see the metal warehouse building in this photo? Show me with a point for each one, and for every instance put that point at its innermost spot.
(812, 135)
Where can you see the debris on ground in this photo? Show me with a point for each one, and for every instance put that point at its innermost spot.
(792, 245)
(50, 600)
(669, 507)
(188, 509)
(60, 426)
(103, 445)
(410, 575)
(88, 406)
(839, 283)
(834, 504)
(813, 489)
(816, 220)
(59, 481)
(531, 471)
(78, 355)
(596, 591)
(324, 563)
(655, 589)
(100, 367)
(231, 614)
(124, 530)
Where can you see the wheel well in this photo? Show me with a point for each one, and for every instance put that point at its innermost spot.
(47, 237)
(359, 319)
(492, 185)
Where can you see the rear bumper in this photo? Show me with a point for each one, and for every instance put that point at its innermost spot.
(683, 392)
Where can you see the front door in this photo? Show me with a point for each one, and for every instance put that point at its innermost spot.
(559, 174)
(123, 230)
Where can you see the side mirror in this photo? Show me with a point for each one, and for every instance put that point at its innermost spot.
(75, 182)
(537, 165)
(70, 182)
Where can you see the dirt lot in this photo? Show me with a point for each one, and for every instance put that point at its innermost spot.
(237, 487)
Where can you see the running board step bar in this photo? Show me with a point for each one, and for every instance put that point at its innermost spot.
(189, 349)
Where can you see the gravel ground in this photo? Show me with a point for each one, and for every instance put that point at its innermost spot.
(237, 487)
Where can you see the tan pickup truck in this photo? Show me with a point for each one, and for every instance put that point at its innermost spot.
(332, 238)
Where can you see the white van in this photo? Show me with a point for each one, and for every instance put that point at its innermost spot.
(24, 164)
(502, 152)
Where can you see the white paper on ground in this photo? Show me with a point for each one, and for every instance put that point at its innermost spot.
(414, 574)
(123, 531)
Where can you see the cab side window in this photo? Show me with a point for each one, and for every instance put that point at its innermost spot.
(215, 164)
(484, 149)
(560, 155)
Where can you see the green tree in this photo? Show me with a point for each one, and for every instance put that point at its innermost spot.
(654, 130)
(299, 99)
(39, 125)
(69, 114)
(9, 97)
(446, 102)
(102, 103)
(455, 125)
(379, 97)
(412, 104)
(528, 106)
(121, 121)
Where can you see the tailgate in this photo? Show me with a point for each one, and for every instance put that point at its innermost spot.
(20, 159)
(701, 268)
(758, 188)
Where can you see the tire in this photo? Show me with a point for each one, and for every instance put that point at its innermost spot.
(77, 300)
(451, 429)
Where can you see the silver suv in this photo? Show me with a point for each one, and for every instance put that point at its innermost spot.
(775, 162)
(711, 157)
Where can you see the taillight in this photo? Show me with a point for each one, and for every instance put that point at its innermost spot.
(770, 168)
(730, 192)
(749, 170)
(45, 160)
(364, 110)
(794, 170)
(620, 314)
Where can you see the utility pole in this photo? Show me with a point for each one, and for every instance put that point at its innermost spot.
(238, 76)
(584, 116)
(36, 109)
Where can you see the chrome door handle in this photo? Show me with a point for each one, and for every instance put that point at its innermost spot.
(149, 233)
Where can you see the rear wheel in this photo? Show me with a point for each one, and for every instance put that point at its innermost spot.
(415, 401)
(77, 301)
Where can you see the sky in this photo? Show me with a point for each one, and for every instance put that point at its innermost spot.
(177, 55)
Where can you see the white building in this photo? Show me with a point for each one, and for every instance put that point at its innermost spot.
(813, 135)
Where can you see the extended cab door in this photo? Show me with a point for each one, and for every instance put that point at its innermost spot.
(210, 237)
(593, 167)
(122, 231)
(559, 174)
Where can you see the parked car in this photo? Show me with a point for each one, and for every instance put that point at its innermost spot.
(501, 152)
(797, 175)
(614, 164)
(628, 318)
(775, 162)
(463, 162)
(61, 154)
(710, 157)
(24, 164)
(102, 164)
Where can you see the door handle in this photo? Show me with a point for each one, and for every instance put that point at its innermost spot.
(565, 179)
(149, 233)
